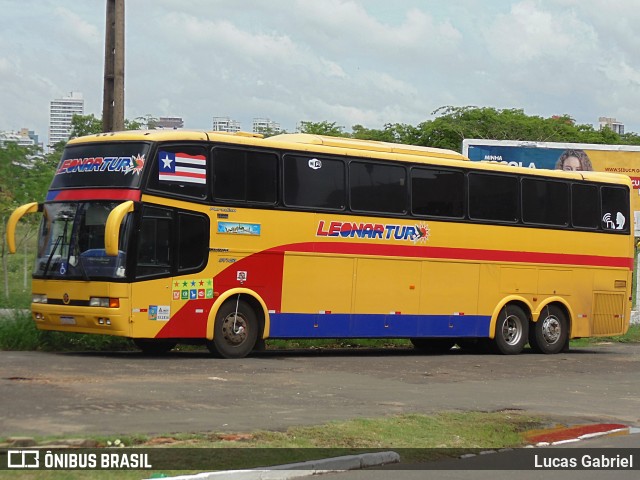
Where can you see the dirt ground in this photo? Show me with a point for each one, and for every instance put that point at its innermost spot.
(126, 392)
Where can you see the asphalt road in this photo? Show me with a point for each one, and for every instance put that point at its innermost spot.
(118, 393)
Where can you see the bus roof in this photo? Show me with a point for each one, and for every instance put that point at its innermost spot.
(369, 145)
(319, 143)
(340, 146)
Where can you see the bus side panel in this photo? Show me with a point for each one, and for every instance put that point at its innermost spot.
(450, 287)
(610, 306)
(317, 283)
(387, 286)
(151, 307)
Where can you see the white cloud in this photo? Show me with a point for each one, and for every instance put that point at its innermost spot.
(348, 61)
(530, 33)
(74, 28)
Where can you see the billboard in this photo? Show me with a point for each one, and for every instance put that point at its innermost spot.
(624, 159)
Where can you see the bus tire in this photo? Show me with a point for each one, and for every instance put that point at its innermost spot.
(432, 345)
(512, 330)
(153, 346)
(235, 331)
(549, 334)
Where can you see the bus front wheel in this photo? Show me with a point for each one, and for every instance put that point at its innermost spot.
(512, 330)
(549, 333)
(235, 332)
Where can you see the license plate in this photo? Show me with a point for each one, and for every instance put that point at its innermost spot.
(67, 320)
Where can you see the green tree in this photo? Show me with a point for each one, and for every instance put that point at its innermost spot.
(392, 133)
(147, 121)
(454, 124)
(82, 125)
(270, 132)
(24, 177)
(323, 128)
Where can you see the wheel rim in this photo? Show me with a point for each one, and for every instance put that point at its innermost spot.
(512, 330)
(551, 329)
(234, 329)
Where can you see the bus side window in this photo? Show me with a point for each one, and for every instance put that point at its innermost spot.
(314, 182)
(585, 206)
(240, 176)
(180, 170)
(376, 187)
(493, 197)
(615, 209)
(437, 193)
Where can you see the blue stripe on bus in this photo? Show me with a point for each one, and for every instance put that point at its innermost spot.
(344, 325)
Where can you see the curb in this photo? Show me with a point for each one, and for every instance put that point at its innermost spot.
(301, 469)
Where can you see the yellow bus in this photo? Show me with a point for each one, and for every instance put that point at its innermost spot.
(171, 237)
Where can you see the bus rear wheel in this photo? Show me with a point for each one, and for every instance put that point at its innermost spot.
(512, 330)
(235, 332)
(549, 333)
(152, 346)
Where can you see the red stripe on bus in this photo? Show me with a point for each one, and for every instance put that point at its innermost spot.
(99, 194)
(458, 254)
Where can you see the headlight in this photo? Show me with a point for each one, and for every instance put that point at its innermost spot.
(104, 302)
(39, 298)
(98, 302)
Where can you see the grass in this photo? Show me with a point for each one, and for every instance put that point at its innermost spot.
(16, 290)
(632, 336)
(18, 332)
(418, 438)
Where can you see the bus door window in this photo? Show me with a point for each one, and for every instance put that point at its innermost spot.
(193, 242)
(154, 243)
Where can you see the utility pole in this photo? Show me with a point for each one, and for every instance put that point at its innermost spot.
(113, 98)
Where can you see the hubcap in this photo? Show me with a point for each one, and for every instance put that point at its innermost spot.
(234, 329)
(512, 330)
(551, 329)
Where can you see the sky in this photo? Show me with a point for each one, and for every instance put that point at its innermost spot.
(366, 62)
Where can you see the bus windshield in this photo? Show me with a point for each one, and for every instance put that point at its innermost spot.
(71, 242)
(101, 165)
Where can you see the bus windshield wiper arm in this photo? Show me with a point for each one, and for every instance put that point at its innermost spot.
(53, 251)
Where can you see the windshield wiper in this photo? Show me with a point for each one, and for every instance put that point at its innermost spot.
(59, 241)
(53, 251)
